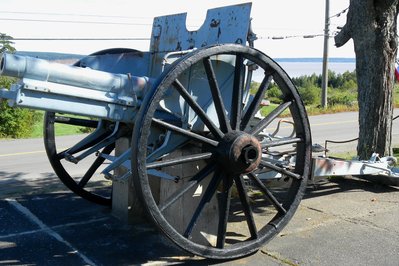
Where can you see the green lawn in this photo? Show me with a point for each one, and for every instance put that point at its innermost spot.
(61, 129)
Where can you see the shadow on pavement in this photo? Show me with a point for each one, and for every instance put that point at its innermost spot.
(73, 226)
(324, 187)
(67, 230)
(74, 229)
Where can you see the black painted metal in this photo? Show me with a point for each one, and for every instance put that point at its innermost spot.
(233, 150)
(76, 121)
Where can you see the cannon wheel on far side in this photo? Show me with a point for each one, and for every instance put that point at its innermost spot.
(101, 131)
(230, 152)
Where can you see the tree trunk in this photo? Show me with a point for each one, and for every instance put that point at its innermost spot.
(372, 26)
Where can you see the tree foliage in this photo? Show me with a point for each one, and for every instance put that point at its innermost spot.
(15, 122)
(342, 89)
(6, 44)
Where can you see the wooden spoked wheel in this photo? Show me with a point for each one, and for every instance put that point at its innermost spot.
(206, 181)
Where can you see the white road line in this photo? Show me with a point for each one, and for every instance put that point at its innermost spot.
(33, 218)
(21, 153)
(22, 233)
(53, 227)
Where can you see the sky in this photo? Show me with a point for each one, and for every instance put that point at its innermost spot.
(133, 19)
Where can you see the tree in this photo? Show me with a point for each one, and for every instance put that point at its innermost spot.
(6, 43)
(14, 122)
(373, 27)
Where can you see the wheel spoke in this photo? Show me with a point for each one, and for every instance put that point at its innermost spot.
(93, 168)
(207, 170)
(219, 122)
(209, 192)
(267, 193)
(268, 119)
(198, 110)
(246, 206)
(281, 142)
(185, 132)
(180, 160)
(236, 104)
(224, 209)
(253, 108)
(217, 97)
(280, 170)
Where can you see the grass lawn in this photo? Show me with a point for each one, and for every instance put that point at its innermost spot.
(61, 129)
(312, 110)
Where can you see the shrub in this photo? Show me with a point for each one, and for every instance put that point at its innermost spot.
(338, 97)
(254, 87)
(274, 94)
(310, 95)
(349, 85)
(15, 122)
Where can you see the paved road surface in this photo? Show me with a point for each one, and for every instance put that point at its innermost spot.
(24, 162)
(341, 222)
(342, 126)
(25, 166)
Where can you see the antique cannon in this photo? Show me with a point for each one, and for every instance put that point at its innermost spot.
(193, 119)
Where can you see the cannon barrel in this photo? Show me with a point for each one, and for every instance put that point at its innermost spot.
(56, 87)
(38, 69)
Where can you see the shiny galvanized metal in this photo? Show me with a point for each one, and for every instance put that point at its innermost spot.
(93, 89)
(71, 89)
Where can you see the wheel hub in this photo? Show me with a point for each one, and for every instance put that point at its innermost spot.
(240, 153)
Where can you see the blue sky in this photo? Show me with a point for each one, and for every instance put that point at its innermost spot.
(133, 19)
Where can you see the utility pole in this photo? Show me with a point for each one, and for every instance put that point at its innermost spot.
(324, 81)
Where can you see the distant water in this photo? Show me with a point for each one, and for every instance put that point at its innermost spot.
(300, 69)
(296, 67)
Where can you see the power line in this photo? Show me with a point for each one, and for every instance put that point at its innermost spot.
(310, 36)
(80, 39)
(71, 14)
(76, 21)
(306, 36)
(340, 13)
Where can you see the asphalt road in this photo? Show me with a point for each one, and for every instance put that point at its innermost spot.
(340, 222)
(340, 127)
(25, 161)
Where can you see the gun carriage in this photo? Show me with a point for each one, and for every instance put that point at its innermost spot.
(195, 125)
